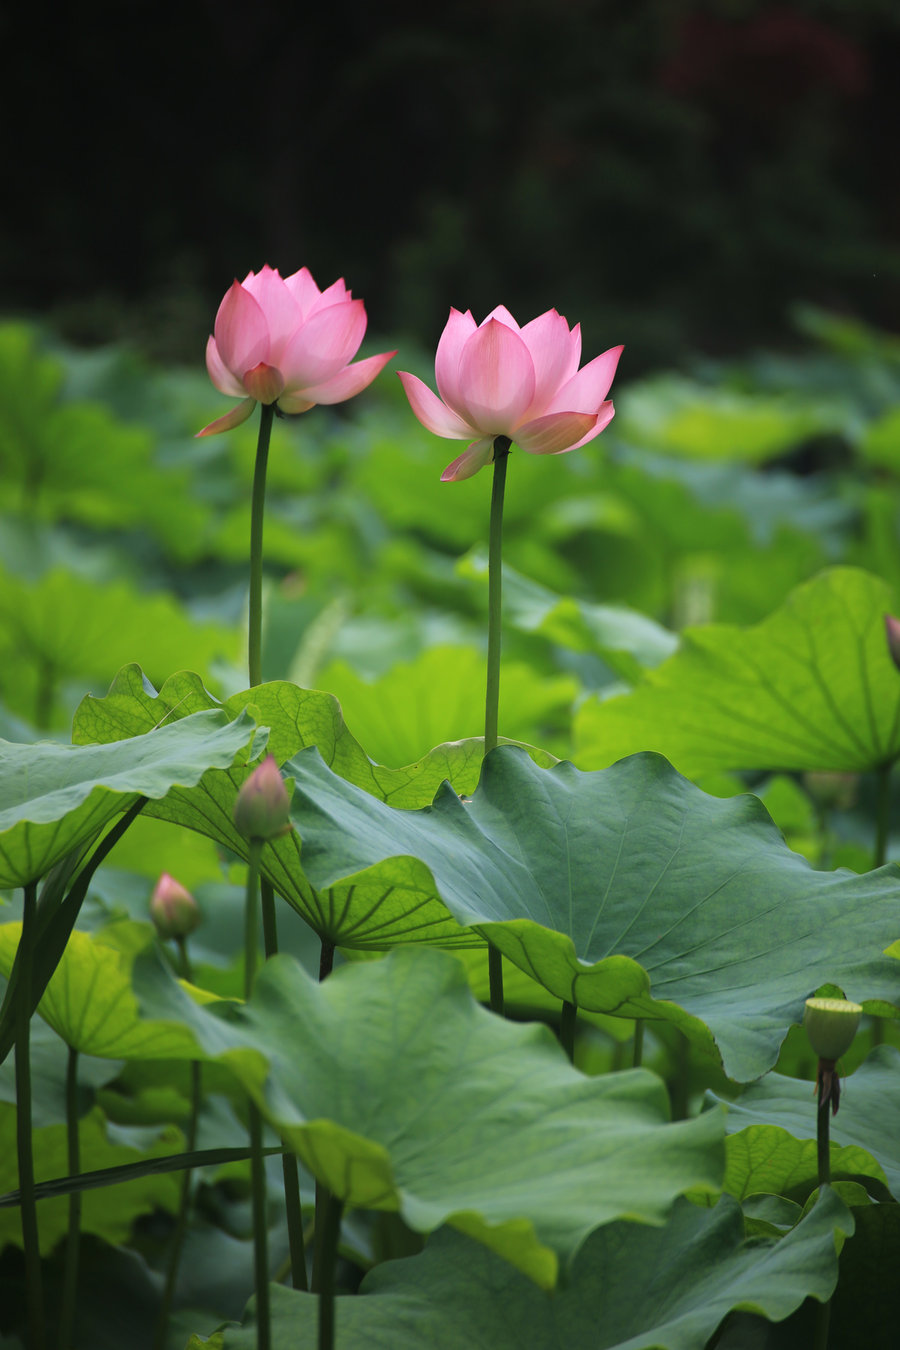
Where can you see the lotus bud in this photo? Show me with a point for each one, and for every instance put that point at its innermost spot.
(173, 909)
(262, 808)
(831, 1024)
(892, 630)
(832, 789)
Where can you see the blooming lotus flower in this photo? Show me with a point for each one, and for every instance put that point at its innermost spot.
(497, 379)
(281, 340)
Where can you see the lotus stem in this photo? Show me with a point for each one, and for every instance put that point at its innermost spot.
(882, 814)
(492, 693)
(165, 1310)
(638, 1053)
(30, 1239)
(257, 1162)
(73, 1236)
(257, 514)
(325, 1268)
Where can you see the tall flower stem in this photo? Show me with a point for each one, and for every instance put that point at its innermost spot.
(73, 1236)
(33, 1293)
(823, 1158)
(492, 693)
(325, 1268)
(257, 513)
(257, 1162)
(165, 1310)
(289, 1167)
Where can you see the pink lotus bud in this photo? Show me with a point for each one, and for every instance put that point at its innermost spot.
(262, 807)
(173, 909)
(281, 340)
(892, 630)
(497, 379)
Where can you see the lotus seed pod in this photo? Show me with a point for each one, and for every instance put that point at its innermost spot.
(173, 909)
(262, 808)
(830, 1024)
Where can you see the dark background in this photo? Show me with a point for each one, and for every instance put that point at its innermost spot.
(674, 175)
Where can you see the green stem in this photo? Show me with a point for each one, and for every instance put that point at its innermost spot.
(638, 1055)
(33, 1292)
(290, 1170)
(495, 587)
(326, 959)
(257, 1162)
(178, 1236)
(257, 514)
(73, 1238)
(492, 691)
(327, 1253)
(823, 1158)
(567, 1028)
(260, 1230)
(882, 813)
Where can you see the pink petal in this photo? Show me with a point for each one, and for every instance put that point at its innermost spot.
(548, 340)
(502, 315)
(264, 383)
(335, 294)
(496, 379)
(231, 419)
(457, 331)
(242, 334)
(348, 382)
(605, 415)
(587, 390)
(282, 312)
(221, 376)
(555, 433)
(303, 289)
(323, 345)
(467, 465)
(431, 412)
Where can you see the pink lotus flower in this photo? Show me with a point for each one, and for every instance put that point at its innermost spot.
(497, 379)
(282, 340)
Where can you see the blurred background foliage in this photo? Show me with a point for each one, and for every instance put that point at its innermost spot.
(672, 173)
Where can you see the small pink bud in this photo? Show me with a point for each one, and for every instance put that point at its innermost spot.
(173, 909)
(263, 806)
(892, 629)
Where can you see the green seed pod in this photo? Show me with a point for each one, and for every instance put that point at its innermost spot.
(831, 1024)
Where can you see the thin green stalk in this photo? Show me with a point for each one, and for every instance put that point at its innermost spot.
(823, 1159)
(33, 1292)
(257, 514)
(882, 813)
(178, 1236)
(257, 1162)
(326, 959)
(492, 692)
(290, 1170)
(638, 1055)
(567, 1028)
(328, 1254)
(73, 1236)
(495, 591)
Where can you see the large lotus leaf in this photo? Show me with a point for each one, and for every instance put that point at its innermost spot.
(401, 1093)
(632, 1287)
(90, 1003)
(765, 1160)
(625, 891)
(867, 1119)
(811, 687)
(53, 798)
(109, 1212)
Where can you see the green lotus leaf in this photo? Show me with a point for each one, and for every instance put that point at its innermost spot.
(632, 1287)
(810, 687)
(402, 1093)
(54, 798)
(625, 891)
